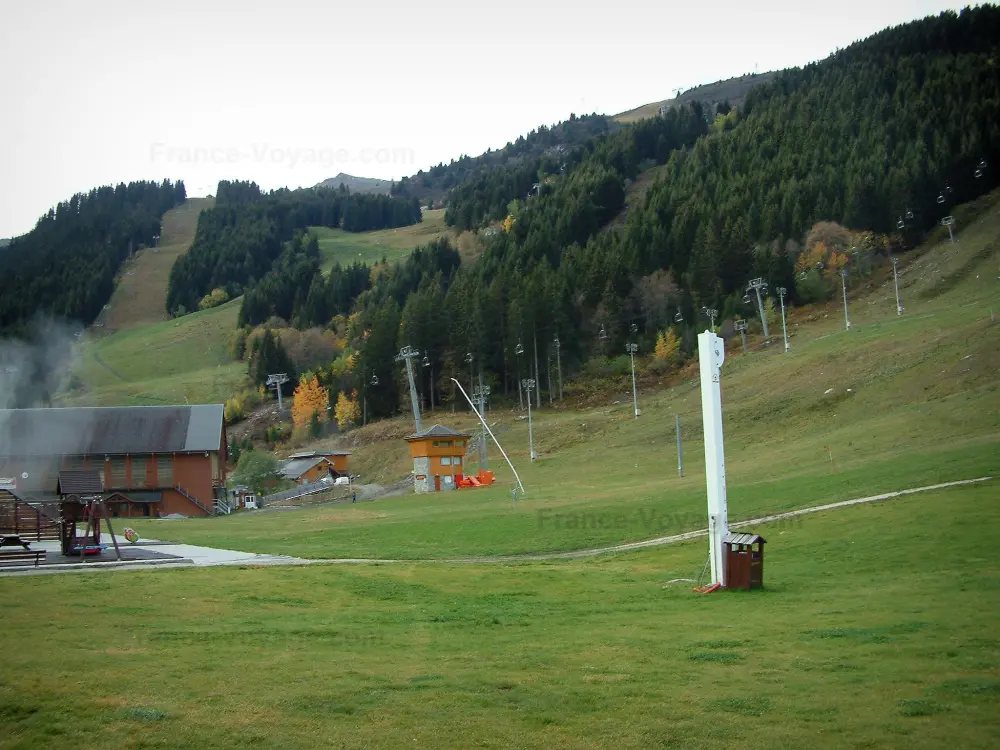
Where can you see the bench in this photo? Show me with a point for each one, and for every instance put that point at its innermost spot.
(20, 556)
(13, 540)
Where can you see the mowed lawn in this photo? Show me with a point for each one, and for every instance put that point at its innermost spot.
(338, 246)
(876, 629)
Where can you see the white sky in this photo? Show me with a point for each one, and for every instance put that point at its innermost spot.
(289, 93)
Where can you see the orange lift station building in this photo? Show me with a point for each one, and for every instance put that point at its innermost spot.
(438, 454)
(152, 460)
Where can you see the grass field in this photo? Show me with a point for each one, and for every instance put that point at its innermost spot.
(876, 629)
(141, 294)
(170, 362)
(338, 246)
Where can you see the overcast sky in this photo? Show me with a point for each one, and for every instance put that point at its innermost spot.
(289, 93)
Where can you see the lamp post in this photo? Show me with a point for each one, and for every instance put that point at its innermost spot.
(784, 329)
(528, 384)
(469, 358)
(757, 286)
(519, 350)
(559, 364)
(843, 281)
(895, 281)
(741, 326)
(632, 349)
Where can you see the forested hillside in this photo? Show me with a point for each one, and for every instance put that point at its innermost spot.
(437, 181)
(66, 265)
(826, 168)
(237, 242)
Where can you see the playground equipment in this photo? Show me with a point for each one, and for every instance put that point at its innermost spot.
(92, 510)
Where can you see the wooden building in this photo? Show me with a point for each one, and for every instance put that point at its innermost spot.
(153, 460)
(306, 468)
(438, 453)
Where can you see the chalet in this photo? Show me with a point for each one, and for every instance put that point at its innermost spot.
(153, 460)
(306, 468)
(437, 453)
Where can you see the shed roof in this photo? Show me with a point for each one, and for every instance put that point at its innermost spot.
(80, 482)
(437, 430)
(114, 430)
(319, 454)
(297, 467)
(738, 538)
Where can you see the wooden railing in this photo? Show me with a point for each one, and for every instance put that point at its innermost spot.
(26, 521)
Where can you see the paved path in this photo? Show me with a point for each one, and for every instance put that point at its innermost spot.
(188, 555)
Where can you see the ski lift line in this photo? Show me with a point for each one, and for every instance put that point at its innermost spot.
(487, 428)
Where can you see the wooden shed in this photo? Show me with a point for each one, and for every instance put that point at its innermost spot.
(744, 560)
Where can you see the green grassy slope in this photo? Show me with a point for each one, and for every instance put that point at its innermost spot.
(875, 629)
(912, 401)
(338, 246)
(170, 362)
(141, 293)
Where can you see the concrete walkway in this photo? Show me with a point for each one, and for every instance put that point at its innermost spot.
(188, 555)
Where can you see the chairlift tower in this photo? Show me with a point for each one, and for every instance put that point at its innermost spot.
(710, 313)
(784, 329)
(741, 326)
(758, 286)
(276, 381)
(407, 354)
(479, 396)
(528, 384)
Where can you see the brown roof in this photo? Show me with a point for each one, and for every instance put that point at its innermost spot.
(80, 482)
(738, 538)
(438, 430)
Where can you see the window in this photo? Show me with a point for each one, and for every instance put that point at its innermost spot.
(116, 473)
(445, 443)
(164, 471)
(458, 460)
(446, 460)
(437, 443)
(459, 443)
(139, 464)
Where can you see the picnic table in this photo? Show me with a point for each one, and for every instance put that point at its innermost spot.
(13, 540)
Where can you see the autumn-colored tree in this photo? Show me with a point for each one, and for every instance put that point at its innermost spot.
(508, 223)
(347, 410)
(310, 398)
(667, 346)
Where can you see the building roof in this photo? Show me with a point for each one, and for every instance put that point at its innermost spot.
(297, 467)
(114, 430)
(438, 431)
(80, 482)
(319, 454)
(737, 538)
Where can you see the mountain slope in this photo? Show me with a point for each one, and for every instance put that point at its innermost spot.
(357, 184)
(732, 90)
(141, 293)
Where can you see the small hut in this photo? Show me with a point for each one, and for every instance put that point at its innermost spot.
(438, 453)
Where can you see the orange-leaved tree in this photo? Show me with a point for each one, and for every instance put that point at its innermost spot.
(310, 398)
(347, 410)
